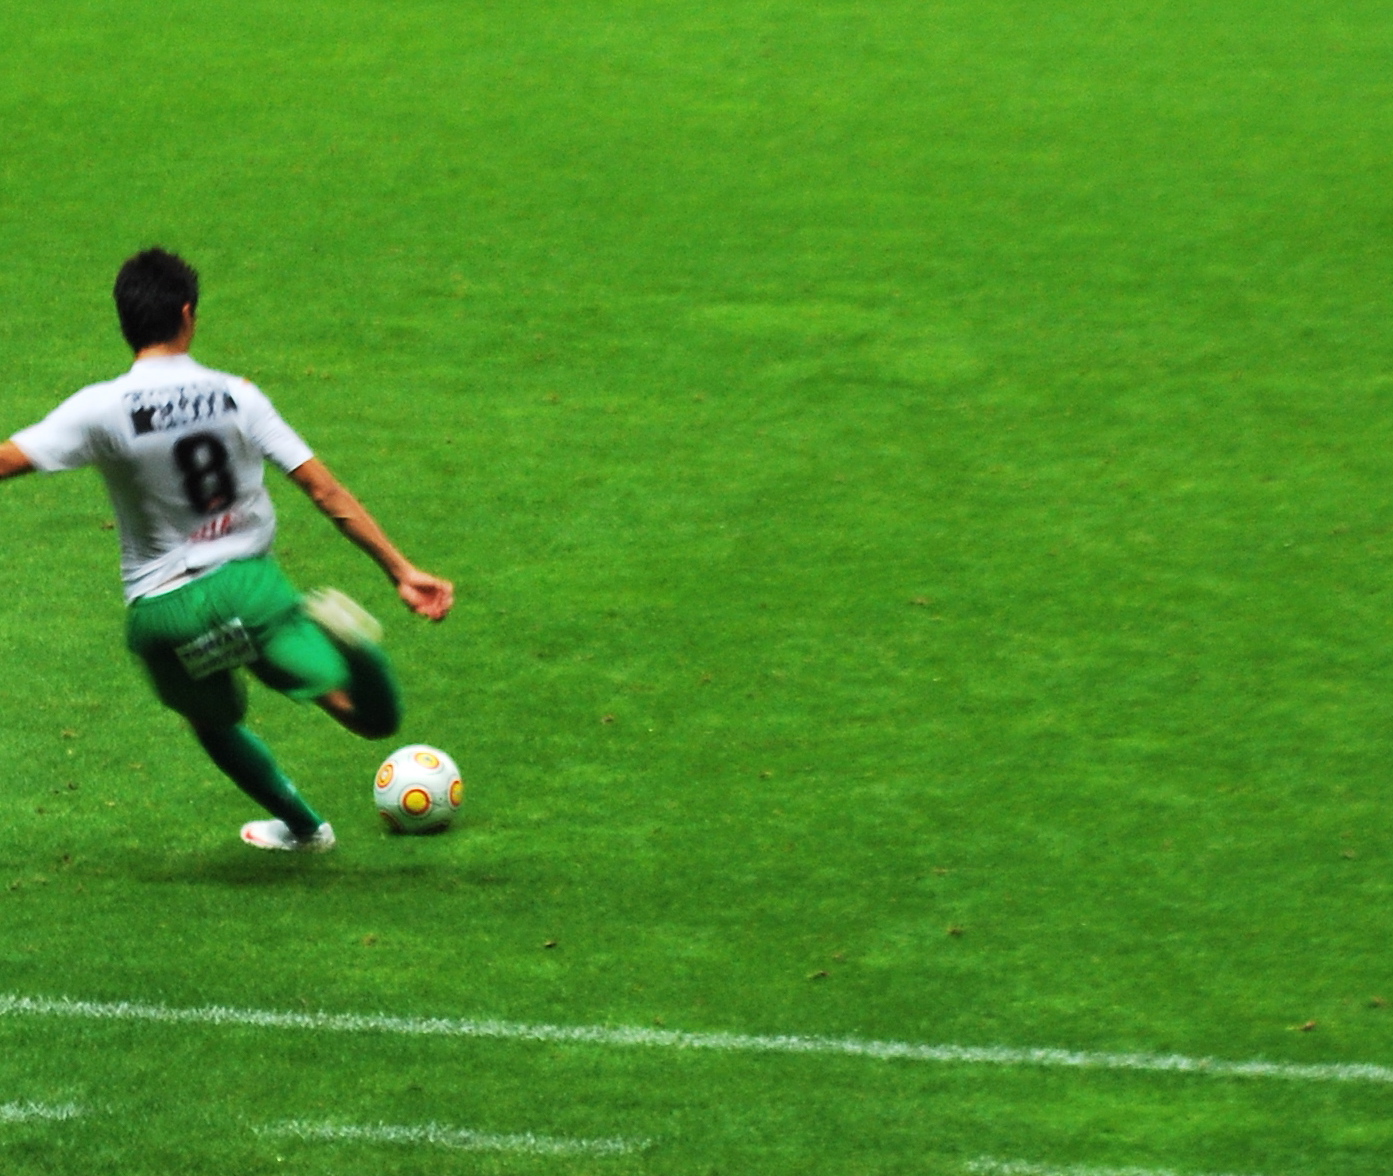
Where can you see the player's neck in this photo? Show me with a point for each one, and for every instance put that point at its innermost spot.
(161, 350)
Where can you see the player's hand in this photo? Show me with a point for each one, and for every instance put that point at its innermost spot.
(426, 595)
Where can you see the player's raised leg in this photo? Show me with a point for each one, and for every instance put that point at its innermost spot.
(370, 704)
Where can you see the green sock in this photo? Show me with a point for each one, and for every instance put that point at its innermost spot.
(377, 706)
(248, 761)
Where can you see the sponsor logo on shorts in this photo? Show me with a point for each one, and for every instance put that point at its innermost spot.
(224, 647)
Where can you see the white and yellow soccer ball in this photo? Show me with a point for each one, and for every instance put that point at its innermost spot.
(418, 789)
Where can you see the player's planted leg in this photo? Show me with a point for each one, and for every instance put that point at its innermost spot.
(248, 762)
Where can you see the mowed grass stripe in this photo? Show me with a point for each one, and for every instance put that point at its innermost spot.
(433, 1134)
(623, 1035)
(986, 1166)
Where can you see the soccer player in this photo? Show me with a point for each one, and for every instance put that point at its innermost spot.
(181, 449)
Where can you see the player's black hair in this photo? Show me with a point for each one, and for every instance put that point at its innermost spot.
(151, 292)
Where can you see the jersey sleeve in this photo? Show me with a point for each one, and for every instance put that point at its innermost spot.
(278, 442)
(65, 439)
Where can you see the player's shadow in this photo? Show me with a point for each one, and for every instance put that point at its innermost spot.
(236, 869)
(375, 863)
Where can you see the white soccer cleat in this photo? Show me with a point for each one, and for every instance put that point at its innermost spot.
(342, 617)
(277, 835)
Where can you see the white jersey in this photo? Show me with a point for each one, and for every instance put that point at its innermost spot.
(181, 449)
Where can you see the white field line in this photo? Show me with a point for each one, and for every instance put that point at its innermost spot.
(28, 1112)
(986, 1166)
(675, 1039)
(456, 1137)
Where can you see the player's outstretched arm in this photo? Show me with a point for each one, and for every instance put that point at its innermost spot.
(428, 595)
(12, 461)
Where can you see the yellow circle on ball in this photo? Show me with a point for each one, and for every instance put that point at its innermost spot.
(416, 801)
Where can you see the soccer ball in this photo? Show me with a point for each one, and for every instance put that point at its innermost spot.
(418, 789)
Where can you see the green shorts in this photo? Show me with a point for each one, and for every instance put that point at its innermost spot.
(245, 613)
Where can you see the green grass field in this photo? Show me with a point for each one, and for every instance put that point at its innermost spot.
(917, 478)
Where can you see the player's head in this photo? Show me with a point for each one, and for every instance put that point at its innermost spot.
(151, 292)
